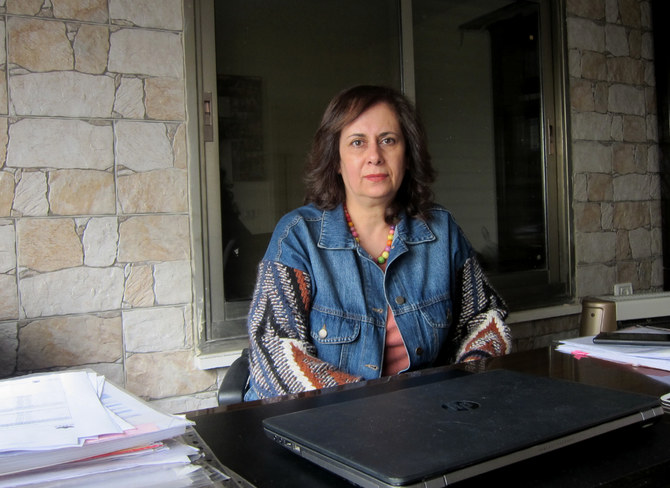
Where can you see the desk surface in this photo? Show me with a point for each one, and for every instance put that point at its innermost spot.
(634, 457)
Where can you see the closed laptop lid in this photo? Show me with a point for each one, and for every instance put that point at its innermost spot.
(454, 429)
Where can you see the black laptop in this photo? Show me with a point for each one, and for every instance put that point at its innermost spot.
(439, 433)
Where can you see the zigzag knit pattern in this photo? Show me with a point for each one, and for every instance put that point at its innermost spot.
(481, 331)
(282, 358)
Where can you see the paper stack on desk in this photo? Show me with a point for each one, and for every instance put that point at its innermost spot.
(76, 429)
(648, 356)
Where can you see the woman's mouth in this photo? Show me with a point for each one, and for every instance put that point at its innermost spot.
(376, 177)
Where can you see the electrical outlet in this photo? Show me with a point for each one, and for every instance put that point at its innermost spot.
(623, 289)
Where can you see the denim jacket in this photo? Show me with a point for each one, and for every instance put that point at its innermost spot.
(320, 306)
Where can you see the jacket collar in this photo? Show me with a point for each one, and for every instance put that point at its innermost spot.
(335, 231)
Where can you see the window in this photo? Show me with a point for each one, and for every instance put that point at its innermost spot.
(485, 75)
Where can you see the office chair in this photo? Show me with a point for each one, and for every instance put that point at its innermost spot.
(234, 383)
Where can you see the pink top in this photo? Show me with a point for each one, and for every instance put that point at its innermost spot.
(395, 353)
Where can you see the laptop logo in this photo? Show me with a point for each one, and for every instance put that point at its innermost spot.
(460, 406)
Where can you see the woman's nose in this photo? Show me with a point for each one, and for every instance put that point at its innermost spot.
(374, 155)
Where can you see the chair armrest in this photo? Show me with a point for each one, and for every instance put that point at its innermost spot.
(234, 383)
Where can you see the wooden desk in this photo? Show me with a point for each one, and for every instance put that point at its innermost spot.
(634, 457)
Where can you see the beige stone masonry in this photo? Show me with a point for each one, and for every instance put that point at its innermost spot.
(616, 184)
(38, 45)
(81, 192)
(48, 244)
(175, 377)
(62, 144)
(154, 238)
(145, 14)
(153, 192)
(94, 213)
(70, 341)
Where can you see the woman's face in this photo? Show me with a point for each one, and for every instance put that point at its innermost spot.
(372, 157)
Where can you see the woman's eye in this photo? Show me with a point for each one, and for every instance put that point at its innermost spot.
(357, 143)
(388, 140)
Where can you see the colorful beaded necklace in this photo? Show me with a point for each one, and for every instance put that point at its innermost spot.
(389, 239)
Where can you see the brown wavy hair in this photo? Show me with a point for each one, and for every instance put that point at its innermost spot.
(325, 187)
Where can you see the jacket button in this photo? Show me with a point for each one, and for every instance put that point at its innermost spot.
(400, 300)
(419, 351)
(323, 333)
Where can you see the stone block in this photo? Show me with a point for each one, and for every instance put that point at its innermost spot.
(587, 217)
(631, 187)
(594, 9)
(91, 45)
(592, 157)
(581, 95)
(616, 40)
(153, 192)
(188, 403)
(640, 243)
(4, 139)
(9, 298)
(154, 329)
(631, 215)
(48, 244)
(595, 279)
(70, 341)
(623, 251)
(62, 94)
(24, 7)
(6, 193)
(30, 198)
(594, 66)
(626, 70)
(63, 143)
(165, 99)
(165, 374)
(624, 158)
(154, 238)
(71, 291)
(630, 13)
(600, 187)
(9, 344)
(612, 11)
(585, 34)
(139, 287)
(143, 146)
(100, 241)
(129, 102)
(39, 45)
(634, 128)
(173, 282)
(626, 99)
(145, 14)
(595, 247)
(81, 192)
(7, 247)
(591, 126)
(146, 52)
(87, 10)
(579, 186)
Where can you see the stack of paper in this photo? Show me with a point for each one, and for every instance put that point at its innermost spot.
(76, 429)
(648, 356)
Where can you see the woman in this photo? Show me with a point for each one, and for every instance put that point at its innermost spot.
(370, 277)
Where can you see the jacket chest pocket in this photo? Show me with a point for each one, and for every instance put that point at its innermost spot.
(334, 337)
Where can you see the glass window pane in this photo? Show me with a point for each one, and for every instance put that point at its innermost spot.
(278, 64)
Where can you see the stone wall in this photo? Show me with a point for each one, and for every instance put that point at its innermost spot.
(95, 256)
(615, 160)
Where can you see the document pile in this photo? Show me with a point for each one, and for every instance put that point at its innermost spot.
(76, 429)
(647, 356)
